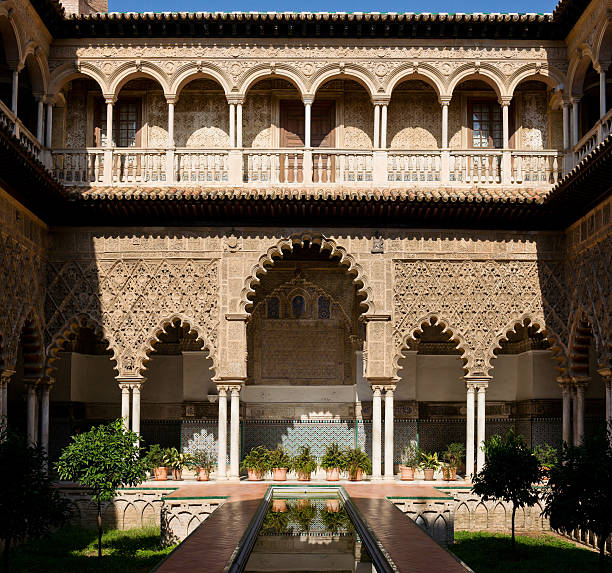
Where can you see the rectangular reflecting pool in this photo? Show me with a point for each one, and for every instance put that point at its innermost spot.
(305, 530)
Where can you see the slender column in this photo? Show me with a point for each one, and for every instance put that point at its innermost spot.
(235, 433)
(480, 456)
(238, 125)
(376, 432)
(110, 102)
(232, 125)
(566, 125)
(575, 121)
(574, 414)
(383, 126)
(170, 123)
(40, 120)
(389, 473)
(606, 374)
(377, 126)
(15, 92)
(602, 92)
(505, 124)
(5, 378)
(108, 150)
(49, 125)
(567, 408)
(222, 440)
(469, 433)
(170, 168)
(581, 384)
(125, 405)
(307, 123)
(31, 389)
(136, 408)
(44, 416)
(445, 124)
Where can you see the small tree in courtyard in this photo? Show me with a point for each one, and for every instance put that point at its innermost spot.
(103, 460)
(509, 473)
(580, 489)
(29, 504)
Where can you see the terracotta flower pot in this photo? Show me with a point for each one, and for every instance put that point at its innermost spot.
(203, 474)
(279, 505)
(160, 474)
(254, 475)
(406, 473)
(332, 505)
(332, 474)
(279, 474)
(303, 476)
(177, 474)
(428, 473)
(449, 474)
(357, 476)
(303, 503)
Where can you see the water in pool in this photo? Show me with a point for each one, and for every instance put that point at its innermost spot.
(308, 534)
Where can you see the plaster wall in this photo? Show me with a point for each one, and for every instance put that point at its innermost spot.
(197, 376)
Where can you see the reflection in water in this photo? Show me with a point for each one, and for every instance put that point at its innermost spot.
(308, 535)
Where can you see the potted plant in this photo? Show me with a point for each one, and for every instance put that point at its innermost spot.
(155, 460)
(304, 464)
(276, 523)
(335, 521)
(429, 464)
(547, 456)
(356, 463)
(279, 505)
(411, 456)
(303, 513)
(332, 462)
(280, 463)
(202, 463)
(256, 462)
(453, 456)
(176, 461)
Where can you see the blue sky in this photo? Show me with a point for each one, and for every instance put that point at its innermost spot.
(336, 6)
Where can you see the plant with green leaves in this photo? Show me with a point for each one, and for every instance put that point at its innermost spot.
(509, 473)
(547, 456)
(579, 494)
(30, 507)
(258, 459)
(302, 513)
(202, 459)
(305, 462)
(335, 521)
(429, 461)
(454, 454)
(104, 459)
(332, 458)
(276, 523)
(411, 456)
(155, 457)
(354, 460)
(176, 460)
(279, 458)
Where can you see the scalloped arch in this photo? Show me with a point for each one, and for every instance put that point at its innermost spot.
(67, 72)
(350, 72)
(324, 244)
(72, 326)
(425, 72)
(142, 354)
(433, 319)
(192, 71)
(485, 72)
(550, 76)
(35, 358)
(263, 71)
(129, 71)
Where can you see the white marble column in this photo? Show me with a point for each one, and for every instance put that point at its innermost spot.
(235, 433)
(232, 125)
(136, 387)
(125, 405)
(480, 437)
(222, 435)
(376, 432)
(575, 135)
(574, 414)
(108, 148)
(469, 431)
(505, 124)
(383, 126)
(606, 374)
(40, 118)
(44, 416)
(389, 473)
(170, 144)
(32, 411)
(307, 123)
(49, 125)
(445, 104)
(566, 125)
(5, 378)
(110, 103)
(602, 92)
(15, 91)
(377, 126)
(239, 125)
(581, 384)
(567, 409)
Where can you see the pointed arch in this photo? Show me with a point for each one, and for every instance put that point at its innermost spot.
(175, 319)
(580, 338)
(416, 328)
(324, 244)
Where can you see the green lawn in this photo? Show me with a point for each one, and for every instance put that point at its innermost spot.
(75, 550)
(491, 553)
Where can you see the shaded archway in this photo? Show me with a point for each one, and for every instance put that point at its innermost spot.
(9, 59)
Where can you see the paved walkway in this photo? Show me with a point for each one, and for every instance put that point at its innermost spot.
(211, 545)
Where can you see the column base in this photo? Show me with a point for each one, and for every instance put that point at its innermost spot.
(233, 479)
(389, 478)
(377, 479)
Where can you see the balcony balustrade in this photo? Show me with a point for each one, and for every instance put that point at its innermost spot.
(14, 124)
(591, 139)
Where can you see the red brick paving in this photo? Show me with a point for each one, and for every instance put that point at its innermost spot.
(211, 545)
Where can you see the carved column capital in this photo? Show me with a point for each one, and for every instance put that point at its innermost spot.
(222, 389)
(565, 384)
(389, 389)
(234, 389)
(606, 374)
(5, 375)
(477, 382)
(377, 389)
(581, 382)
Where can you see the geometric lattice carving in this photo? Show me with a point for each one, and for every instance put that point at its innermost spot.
(131, 301)
(477, 301)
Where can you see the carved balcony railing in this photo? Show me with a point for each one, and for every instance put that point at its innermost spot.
(187, 166)
(14, 124)
(591, 139)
